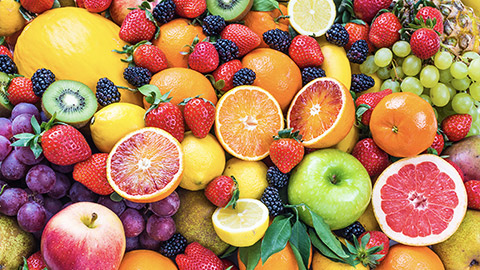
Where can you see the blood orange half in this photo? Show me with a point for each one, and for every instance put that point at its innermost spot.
(419, 201)
(146, 165)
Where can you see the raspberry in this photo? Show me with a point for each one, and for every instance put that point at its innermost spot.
(311, 73)
(353, 230)
(271, 199)
(7, 65)
(164, 11)
(137, 76)
(276, 178)
(41, 79)
(213, 25)
(358, 52)
(173, 246)
(107, 92)
(244, 76)
(338, 35)
(361, 82)
(227, 50)
(277, 39)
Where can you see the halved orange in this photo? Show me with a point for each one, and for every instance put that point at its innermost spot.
(246, 119)
(146, 165)
(323, 112)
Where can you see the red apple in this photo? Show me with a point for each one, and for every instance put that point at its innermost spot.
(119, 8)
(84, 235)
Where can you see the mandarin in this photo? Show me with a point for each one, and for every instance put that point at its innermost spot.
(403, 257)
(142, 259)
(262, 21)
(282, 260)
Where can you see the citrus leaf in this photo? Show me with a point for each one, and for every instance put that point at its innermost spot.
(326, 235)
(264, 5)
(300, 240)
(322, 247)
(230, 250)
(250, 256)
(298, 257)
(276, 236)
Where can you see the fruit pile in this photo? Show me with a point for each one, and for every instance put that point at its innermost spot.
(244, 134)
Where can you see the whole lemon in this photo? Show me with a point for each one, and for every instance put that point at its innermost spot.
(368, 220)
(251, 176)
(10, 18)
(204, 159)
(348, 143)
(114, 121)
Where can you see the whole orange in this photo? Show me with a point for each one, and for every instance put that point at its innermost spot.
(403, 124)
(282, 260)
(183, 83)
(275, 72)
(174, 35)
(142, 259)
(262, 21)
(403, 257)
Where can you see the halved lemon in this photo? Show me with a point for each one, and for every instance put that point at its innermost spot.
(242, 226)
(311, 17)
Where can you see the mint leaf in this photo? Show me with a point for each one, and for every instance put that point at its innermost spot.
(276, 237)
(264, 5)
(250, 256)
(300, 240)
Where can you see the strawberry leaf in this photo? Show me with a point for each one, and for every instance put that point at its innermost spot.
(25, 264)
(276, 236)
(235, 195)
(229, 268)
(35, 125)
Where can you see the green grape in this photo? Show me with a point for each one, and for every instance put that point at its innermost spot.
(474, 113)
(368, 66)
(411, 65)
(390, 84)
(443, 60)
(470, 55)
(398, 61)
(445, 76)
(474, 70)
(440, 95)
(426, 98)
(459, 70)
(383, 57)
(397, 73)
(429, 76)
(451, 90)
(412, 84)
(461, 103)
(475, 91)
(461, 84)
(401, 48)
(474, 130)
(383, 73)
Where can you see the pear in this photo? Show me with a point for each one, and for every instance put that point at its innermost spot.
(462, 250)
(14, 243)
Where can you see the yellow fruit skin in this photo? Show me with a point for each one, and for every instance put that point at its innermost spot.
(347, 143)
(75, 45)
(335, 63)
(251, 176)
(11, 20)
(368, 220)
(378, 82)
(321, 262)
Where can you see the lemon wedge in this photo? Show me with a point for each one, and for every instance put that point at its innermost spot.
(311, 17)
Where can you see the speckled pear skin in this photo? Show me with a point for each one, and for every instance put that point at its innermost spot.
(14, 243)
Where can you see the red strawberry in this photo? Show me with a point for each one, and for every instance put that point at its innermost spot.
(473, 194)
(245, 39)
(37, 6)
(374, 159)
(305, 51)
(35, 262)
(367, 9)
(370, 99)
(384, 31)
(456, 126)
(222, 191)
(225, 72)
(431, 13)
(96, 6)
(286, 151)
(425, 43)
(197, 257)
(21, 90)
(227, 263)
(92, 173)
(462, 175)
(167, 116)
(204, 57)
(6, 51)
(190, 8)
(137, 27)
(80, 3)
(377, 239)
(199, 115)
(150, 57)
(437, 144)
(357, 32)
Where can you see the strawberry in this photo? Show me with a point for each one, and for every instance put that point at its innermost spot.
(225, 72)
(138, 26)
(437, 145)
(227, 263)
(4, 50)
(305, 51)
(384, 31)
(96, 6)
(204, 57)
(473, 194)
(357, 32)
(462, 175)
(165, 115)
(456, 126)
(80, 3)
(37, 6)
(199, 115)
(36, 262)
(374, 159)
(366, 103)
(425, 43)
(145, 55)
(197, 257)
(376, 239)
(222, 191)
(190, 8)
(286, 151)
(20, 90)
(245, 39)
(92, 173)
(431, 13)
(367, 9)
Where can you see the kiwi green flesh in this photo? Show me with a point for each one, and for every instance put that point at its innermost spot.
(5, 105)
(230, 10)
(73, 102)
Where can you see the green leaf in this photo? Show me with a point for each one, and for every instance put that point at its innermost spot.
(300, 240)
(235, 195)
(351, 248)
(23, 136)
(2, 39)
(322, 247)
(21, 143)
(298, 257)
(36, 149)
(326, 235)
(25, 264)
(230, 267)
(264, 5)
(115, 197)
(364, 240)
(250, 256)
(35, 125)
(276, 236)
(2, 188)
(230, 250)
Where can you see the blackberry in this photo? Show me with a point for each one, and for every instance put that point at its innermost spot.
(213, 25)
(338, 35)
(276, 178)
(353, 230)
(277, 39)
(244, 76)
(311, 73)
(361, 82)
(358, 52)
(41, 79)
(271, 199)
(164, 11)
(173, 246)
(7, 65)
(107, 92)
(227, 50)
(137, 76)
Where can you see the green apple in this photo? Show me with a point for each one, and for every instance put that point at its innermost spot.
(333, 184)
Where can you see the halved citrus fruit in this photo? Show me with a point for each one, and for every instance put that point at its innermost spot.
(246, 119)
(323, 112)
(146, 165)
(419, 201)
(311, 17)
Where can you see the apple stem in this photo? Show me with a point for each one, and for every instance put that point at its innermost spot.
(333, 179)
(94, 217)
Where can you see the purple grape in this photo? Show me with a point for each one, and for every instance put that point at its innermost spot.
(160, 228)
(116, 207)
(43, 117)
(5, 147)
(31, 217)
(79, 193)
(133, 222)
(26, 156)
(11, 200)
(22, 124)
(38, 234)
(134, 205)
(148, 242)
(166, 207)
(132, 243)
(61, 187)
(12, 168)
(25, 108)
(62, 169)
(34, 197)
(6, 127)
(52, 205)
(40, 179)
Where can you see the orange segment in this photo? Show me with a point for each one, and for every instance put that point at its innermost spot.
(323, 112)
(146, 165)
(246, 120)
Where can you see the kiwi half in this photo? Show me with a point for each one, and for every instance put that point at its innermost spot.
(73, 102)
(5, 105)
(230, 10)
